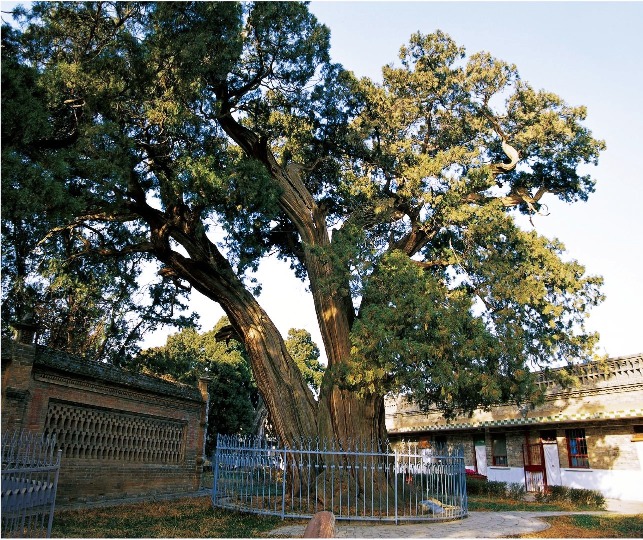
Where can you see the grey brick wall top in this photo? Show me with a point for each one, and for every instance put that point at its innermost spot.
(61, 361)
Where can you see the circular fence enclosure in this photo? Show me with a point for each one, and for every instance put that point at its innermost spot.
(362, 481)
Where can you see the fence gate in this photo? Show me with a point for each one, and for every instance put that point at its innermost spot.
(533, 457)
(30, 466)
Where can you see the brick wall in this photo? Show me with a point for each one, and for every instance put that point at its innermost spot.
(122, 434)
(605, 395)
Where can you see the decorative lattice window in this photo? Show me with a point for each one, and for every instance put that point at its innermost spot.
(577, 448)
(85, 432)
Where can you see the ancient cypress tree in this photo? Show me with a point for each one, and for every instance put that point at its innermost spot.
(208, 135)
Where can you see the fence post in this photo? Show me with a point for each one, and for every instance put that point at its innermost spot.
(53, 495)
(215, 471)
(283, 485)
(395, 484)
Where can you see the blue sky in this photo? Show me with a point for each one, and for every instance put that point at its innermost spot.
(587, 52)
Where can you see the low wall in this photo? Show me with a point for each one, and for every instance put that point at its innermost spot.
(122, 434)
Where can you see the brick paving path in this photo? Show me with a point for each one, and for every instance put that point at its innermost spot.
(477, 525)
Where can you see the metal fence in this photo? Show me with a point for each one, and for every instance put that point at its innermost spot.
(30, 465)
(357, 482)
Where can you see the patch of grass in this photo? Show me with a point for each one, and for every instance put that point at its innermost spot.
(181, 518)
(591, 526)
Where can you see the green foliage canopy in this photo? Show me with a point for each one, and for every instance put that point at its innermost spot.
(175, 118)
(90, 305)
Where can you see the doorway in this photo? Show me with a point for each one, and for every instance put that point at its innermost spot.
(480, 449)
(533, 459)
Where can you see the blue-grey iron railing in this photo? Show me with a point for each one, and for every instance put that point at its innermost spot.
(359, 482)
(30, 466)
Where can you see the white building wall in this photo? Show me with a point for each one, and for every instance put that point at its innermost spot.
(613, 484)
(624, 485)
(509, 475)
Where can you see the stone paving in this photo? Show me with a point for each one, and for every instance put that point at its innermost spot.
(476, 525)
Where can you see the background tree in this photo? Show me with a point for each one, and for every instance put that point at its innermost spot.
(305, 353)
(192, 116)
(188, 355)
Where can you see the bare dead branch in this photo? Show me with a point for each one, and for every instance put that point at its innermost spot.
(514, 158)
(427, 265)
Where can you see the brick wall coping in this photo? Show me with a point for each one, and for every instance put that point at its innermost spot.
(591, 371)
(61, 361)
(557, 418)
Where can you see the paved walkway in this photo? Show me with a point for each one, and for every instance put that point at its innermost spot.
(477, 525)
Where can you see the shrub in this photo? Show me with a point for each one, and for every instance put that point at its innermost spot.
(516, 491)
(477, 486)
(587, 497)
(540, 496)
(558, 493)
(572, 496)
(496, 489)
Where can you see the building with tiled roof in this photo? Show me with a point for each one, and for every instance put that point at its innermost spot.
(589, 436)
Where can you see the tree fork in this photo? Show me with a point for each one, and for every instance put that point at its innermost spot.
(343, 415)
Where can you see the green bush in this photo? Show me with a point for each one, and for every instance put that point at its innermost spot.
(558, 493)
(477, 486)
(496, 489)
(515, 491)
(573, 496)
(587, 497)
(540, 496)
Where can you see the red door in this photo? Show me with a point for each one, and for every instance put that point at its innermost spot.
(533, 457)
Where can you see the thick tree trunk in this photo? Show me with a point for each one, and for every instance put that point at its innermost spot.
(343, 415)
(291, 403)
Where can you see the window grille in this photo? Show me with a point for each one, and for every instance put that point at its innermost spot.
(577, 448)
